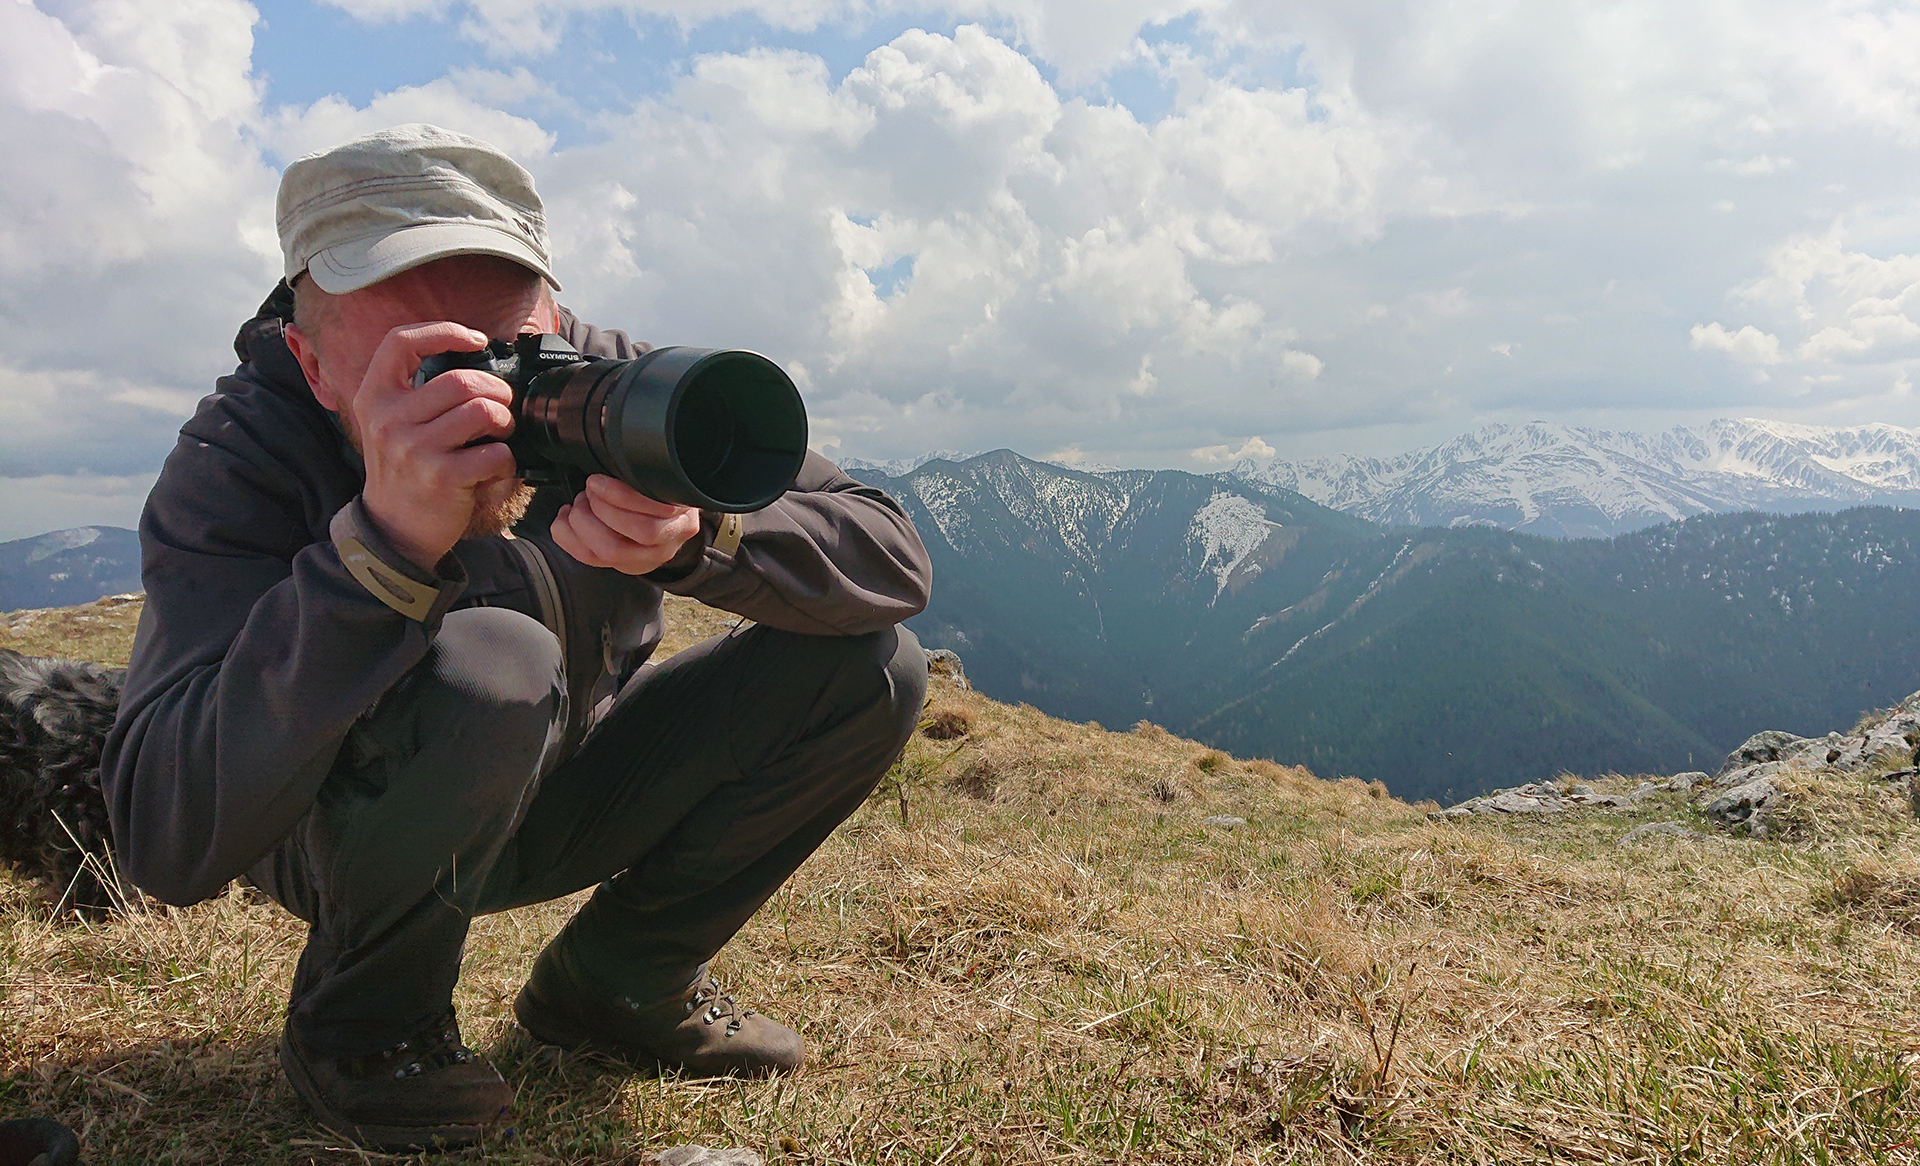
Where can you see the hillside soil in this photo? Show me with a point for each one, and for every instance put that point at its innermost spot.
(1032, 946)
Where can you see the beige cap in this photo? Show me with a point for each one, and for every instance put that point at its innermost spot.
(360, 212)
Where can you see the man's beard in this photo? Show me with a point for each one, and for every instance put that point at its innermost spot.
(495, 512)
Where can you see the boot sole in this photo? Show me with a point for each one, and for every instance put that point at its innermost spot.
(386, 1139)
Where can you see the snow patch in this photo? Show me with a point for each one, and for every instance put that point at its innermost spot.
(1228, 530)
(61, 540)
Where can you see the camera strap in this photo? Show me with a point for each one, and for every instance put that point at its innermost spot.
(545, 588)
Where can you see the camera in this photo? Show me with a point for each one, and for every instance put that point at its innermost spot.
(717, 428)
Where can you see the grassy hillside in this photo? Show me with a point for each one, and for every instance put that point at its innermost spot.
(1031, 947)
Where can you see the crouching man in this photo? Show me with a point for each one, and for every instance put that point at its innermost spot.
(354, 686)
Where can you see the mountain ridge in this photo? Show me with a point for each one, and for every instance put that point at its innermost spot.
(1438, 660)
(1572, 481)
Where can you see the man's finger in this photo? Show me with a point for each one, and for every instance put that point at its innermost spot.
(400, 352)
(448, 391)
(566, 540)
(466, 468)
(475, 419)
(645, 529)
(608, 545)
(611, 491)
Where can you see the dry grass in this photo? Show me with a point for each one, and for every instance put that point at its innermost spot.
(1028, 948)
(101, 630)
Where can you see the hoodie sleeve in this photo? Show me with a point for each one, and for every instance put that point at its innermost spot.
(257, 649)
(830, 557)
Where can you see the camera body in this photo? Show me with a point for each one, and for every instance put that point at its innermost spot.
(719, 429)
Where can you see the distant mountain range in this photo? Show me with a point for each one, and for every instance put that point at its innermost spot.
(68, 567)
(1572, 482)
(1444, 661)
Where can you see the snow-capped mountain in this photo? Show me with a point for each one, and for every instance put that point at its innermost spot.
(901, 466)
(1257, 621)
(1576, 482)
(68, 566)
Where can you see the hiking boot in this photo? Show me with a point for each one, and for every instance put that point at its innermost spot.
(699, 1029)
(427, 1091)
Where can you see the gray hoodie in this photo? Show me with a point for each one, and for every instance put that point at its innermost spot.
(258, 648)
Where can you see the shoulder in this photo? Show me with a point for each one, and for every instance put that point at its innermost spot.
(604, 343)
(259, 461)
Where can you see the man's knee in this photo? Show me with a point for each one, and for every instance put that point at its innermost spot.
(883, 673)
(906, 671)
(497, 660)
(493, 682)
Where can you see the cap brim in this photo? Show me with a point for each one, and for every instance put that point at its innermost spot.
(362, 262)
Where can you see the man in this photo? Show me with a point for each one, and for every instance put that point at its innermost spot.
(354, 686)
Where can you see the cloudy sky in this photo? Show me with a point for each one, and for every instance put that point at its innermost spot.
(1135, 232)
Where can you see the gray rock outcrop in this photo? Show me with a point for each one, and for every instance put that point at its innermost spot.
(943, 662)
(1751, 804)
(1752, 787)
(1540, 797)
(1755, 783)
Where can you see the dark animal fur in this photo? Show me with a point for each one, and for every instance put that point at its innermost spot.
(54, 716)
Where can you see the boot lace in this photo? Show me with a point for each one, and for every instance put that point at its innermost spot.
(436, 1046)
(712, 1004)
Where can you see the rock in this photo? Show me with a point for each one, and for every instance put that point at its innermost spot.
(1601, 801)
(1659, 830)
(1678, 783)
(1750, 788)
(704, 1156)
(1224, 821)
(1772, 745)
(1544, 797)
(1747, 773)
(1559, 797)
(1749, 805)
(1522, 801)
(941, 662)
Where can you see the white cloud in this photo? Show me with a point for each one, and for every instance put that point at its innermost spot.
(135, 224)
(962, 243)
(1254, 448)
(1756, 166)
(1049, 253)
(1749, 345)
(1858, 314)
(461, 103)
(37, 504)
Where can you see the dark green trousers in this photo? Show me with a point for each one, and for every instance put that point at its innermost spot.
(712, 778)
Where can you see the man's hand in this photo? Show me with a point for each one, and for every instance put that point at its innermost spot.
(613, 525)
(423, 476)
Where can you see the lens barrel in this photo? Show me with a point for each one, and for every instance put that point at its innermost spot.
(720, 429)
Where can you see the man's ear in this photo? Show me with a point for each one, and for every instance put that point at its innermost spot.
(305, 351)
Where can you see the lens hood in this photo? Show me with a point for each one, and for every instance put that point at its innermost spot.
(721, 429)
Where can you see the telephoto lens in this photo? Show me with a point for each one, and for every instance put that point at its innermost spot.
(719, 429)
